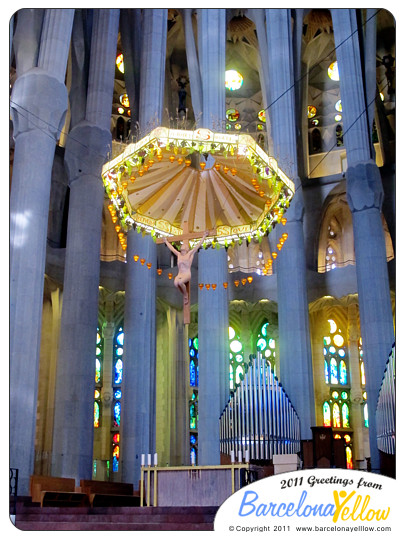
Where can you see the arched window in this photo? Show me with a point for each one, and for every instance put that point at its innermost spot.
(326, 415)
(118, 351)
(334, 351)
(339, 405)
(266, 344)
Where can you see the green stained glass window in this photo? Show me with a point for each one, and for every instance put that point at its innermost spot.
(236, 358)
(193, 361)
(261, 344)
(264, 329)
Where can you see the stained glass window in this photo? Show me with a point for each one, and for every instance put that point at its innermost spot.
(119, 61)
(333, 371)
(96, 422)
(193, 362)
(340, 410)
(333, 71)
(232, 115)
(262, 115)
(345, 416)
(338, 105)
(336, 415)
(365, 414)
(98, 379)
(326, 415)
(265, 343)
(193, 410)
(342, 372)
(236, 356)
(118, 372)
(116, 451)
(117, 414)
(311, 111)
(334, 350)
(233, 80)
(349, 458)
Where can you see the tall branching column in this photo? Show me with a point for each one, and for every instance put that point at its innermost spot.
(38, 108)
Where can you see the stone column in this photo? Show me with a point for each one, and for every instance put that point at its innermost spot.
(153, 61)
(38, 108)
(192, 63)
(211, 54)
(356, 391)
(139, 378)
(213, 317)
(86, 150)
(293, 318)
(213, 392)
(365, 196)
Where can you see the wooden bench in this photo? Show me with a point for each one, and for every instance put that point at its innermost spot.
(109, 493)
(56, 491)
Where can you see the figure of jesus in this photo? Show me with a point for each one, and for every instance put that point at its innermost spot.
(184, 261)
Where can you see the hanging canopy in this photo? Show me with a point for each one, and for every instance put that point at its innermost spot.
(199, 180)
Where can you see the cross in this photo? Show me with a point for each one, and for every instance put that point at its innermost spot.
(186, 236)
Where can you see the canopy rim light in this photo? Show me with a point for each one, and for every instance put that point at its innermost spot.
(222, 161)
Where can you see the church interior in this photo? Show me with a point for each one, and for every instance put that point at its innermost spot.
(262, 142)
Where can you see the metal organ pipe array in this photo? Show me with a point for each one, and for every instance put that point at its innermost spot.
(386, 408)
(259, 418)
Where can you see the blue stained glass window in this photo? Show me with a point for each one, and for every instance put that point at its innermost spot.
(118, 372)
(192, 352)
(332, 350)
(343, 372)
(193, 439)
(192, 373)
(341, 353)
(197, 376)
(326, 372)
(120, 338)
(117, 394)
(190, 342)
(119, 351)
(193, 454)
(117, 413)
(333, 372)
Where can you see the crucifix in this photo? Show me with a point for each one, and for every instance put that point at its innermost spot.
(184, 261)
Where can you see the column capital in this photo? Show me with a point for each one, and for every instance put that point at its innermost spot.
(38, 102)
(364, 187)
(87, 147)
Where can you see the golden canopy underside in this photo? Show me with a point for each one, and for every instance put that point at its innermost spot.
(204, 199)
(174, 181)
